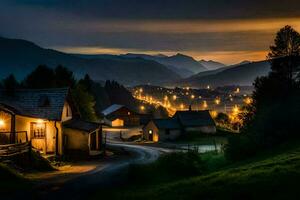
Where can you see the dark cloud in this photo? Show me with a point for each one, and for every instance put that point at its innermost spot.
(120, 23)
(169, 9)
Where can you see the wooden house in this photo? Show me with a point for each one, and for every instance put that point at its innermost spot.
(49, 119)
(162, 130)
(182, 122)
(120, 116)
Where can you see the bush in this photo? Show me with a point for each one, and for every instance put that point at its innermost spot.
(168, 167)
(33, 162)
(240, 147)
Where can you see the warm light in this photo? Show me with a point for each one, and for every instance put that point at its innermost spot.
(208, 87)
(174, 97)
(248, 100)
(141, 90)
(142, 108)
(181, 106)
(192, 96)
(200, 97)
(188, 88)
(166, 98)
(213, 113)
(40, 121)
(237, 90)
(235, 110)
(2, 123)
(205, 104)
(217, 101)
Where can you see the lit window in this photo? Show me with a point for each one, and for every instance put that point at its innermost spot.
(38, 129)
(150, 132)
(128, 113)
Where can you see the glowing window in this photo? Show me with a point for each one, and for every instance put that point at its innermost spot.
(38, 129)
(150, 132)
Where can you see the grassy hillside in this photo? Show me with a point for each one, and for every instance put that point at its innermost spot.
(273, 175)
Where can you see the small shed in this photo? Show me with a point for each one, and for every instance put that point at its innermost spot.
(162, 130)
(82, 136)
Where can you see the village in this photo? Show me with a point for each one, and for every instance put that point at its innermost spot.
(48, 123)
(149, 99)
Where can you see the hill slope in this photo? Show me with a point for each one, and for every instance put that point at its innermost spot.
(21, 57)
(273, 175)
(243, 74)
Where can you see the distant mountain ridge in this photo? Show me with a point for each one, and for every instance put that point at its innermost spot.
(243, 75)
(20, 57)
(211, 65)
(182, 64)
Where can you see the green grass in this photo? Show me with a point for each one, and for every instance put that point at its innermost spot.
(197, 138)
(271, 175)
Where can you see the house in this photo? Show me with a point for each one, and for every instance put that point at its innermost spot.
(182, 122)
(200, 121)
(119, 116)
(162, 130)
(49, 119)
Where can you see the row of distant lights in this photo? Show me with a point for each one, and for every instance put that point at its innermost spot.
(217, 101)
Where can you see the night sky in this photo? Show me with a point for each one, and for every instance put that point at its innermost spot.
(229, 31)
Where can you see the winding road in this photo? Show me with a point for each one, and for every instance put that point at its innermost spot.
(108, 174)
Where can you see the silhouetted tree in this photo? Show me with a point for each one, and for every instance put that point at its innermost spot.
(118, 94)
(284, 55)
(10, 84)
(85, 102)
(64, 77)
(41, 77)
(273, 117)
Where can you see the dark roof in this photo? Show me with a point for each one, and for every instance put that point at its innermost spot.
(111, 109)
(37, 103)
(169, 123)
(82, 125)
(194, 118)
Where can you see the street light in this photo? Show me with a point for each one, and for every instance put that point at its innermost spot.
(205, 104)
(217, 101)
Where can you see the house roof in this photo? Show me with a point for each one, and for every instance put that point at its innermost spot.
(194, 118)
(111, 109)
(37, 103)
(170, 123)
(80, 124)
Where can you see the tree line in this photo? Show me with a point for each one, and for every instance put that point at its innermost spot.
(91, 97)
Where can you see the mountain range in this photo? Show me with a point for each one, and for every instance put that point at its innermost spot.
(211, 65)
(182, 64)
(20, 57)
(241, 74)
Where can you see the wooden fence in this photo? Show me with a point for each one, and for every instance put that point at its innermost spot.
(9, 150)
